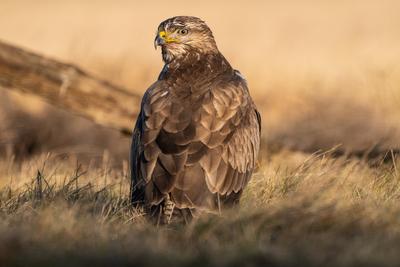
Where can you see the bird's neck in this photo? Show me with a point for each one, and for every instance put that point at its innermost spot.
(196, 65)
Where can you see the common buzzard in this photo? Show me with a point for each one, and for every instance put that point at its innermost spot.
(197, 137)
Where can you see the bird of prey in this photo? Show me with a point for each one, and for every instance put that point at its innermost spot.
(197, 137)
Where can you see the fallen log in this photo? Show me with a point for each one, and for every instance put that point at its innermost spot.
(68, 86)
(73, 89)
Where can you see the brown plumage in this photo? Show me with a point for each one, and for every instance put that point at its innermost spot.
(197, 136)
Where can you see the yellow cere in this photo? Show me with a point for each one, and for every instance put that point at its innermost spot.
(164, 35)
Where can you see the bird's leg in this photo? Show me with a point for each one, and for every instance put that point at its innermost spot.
(172, 212)
(168, 209)
(219, 204)
(159, 217)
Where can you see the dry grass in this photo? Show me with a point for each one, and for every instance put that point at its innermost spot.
(298, 210)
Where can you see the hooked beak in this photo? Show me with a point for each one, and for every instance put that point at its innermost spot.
(160, 39)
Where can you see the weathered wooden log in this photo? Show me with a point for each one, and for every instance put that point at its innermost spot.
(68, 86)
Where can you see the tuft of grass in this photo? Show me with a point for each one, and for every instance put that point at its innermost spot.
(298, 210)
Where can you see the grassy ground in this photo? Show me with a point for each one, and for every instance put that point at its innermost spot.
(298, 210)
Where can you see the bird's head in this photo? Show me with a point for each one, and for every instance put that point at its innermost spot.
(183, 35)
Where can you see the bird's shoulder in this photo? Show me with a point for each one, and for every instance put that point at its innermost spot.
(226, 93)
(232, 91)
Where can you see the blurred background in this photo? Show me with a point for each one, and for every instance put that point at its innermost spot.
(323, 73)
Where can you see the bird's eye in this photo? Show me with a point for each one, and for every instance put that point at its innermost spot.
(183, 31)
